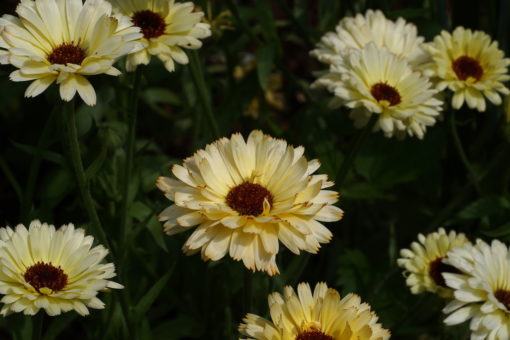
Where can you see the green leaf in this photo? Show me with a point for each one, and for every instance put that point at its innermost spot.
(96, 164)
(501, 231)
(58, 325)
(485, 206)
(265, 59)
(148, 299)
(44, 154)
(156, 230)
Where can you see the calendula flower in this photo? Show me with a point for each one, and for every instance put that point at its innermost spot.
(424, 263)
(471, 65)
(168, 28)
(353, 33)
(481, 289)
(245, 196)
(64, 41)
(322, 315)
(57, 270)
(375, 81)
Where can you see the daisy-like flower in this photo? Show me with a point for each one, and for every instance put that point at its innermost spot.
(353, 33)
(481, 289)
(424, 263)
(55, 270)
(247, 195)
(322, 315)
(375, 81)
(168, 27)
(64, 41)
(469, 64)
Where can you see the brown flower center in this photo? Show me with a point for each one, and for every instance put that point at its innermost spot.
(385, 93)
(467, 68)
(67, 54)
(503, 296)
(314, 335)
(151, 24)
(437, 267)
(248, 198)
(45, 275)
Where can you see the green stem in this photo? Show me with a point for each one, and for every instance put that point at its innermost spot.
(353, 151)
(462, 154)
(37, 325)
(198, 78)
(248, 288)
(130, 150)
(79, 172)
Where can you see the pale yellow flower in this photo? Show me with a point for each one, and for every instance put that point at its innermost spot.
(55, 270)
(64, 41)
(424, 263)
(168, 28)
(245, 197)
(375, 81)
(322, 315)
(481, 289)
(471, 65)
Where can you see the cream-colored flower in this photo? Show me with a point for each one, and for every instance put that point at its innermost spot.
(322, 315)
(353, 33)
(64, 41)
(424, 262)
(168, 27)
(481, 289)
(375, 81)
(54, 270)
(469, 64)
(247, 195)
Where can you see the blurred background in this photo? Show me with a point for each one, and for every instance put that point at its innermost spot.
(258, 71)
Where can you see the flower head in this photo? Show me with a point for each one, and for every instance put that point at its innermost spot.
(168, 27)
(424, 263)
(245, 196)
(375, 81)
(353, 33)
(469, 64)
(321, 315)
(481, 289)
(55, 270)
(64, 41)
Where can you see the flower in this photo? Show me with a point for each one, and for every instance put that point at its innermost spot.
(375, 81)
(424, 263)
(247, 195)
(167, 28)
(55, 270)
(481, 289)
(321, 316)
(64, 41)
(353, 33)
(469, 64)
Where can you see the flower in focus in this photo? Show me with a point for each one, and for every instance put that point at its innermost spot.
(322, 315)
(375, 81)
(469, 64)
(54, 270)
(353, 33)
(481, 289)
(64, 41)
(245, 196)
(167, 28)
(424, 263)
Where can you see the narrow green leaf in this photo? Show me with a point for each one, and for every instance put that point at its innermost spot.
(58, 325)
(11, 178)
(265, 59)
(44, 154)
(96, 164)
(148, 299)
(485, 206)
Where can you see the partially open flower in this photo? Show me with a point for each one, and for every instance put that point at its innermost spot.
(64, 41)
(57, 270)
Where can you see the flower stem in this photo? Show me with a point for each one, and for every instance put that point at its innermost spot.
(198, 78)
(353, 151)
(248, 288)
(462, 153)
(37, 325)
(69, 118)
(130, 150)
